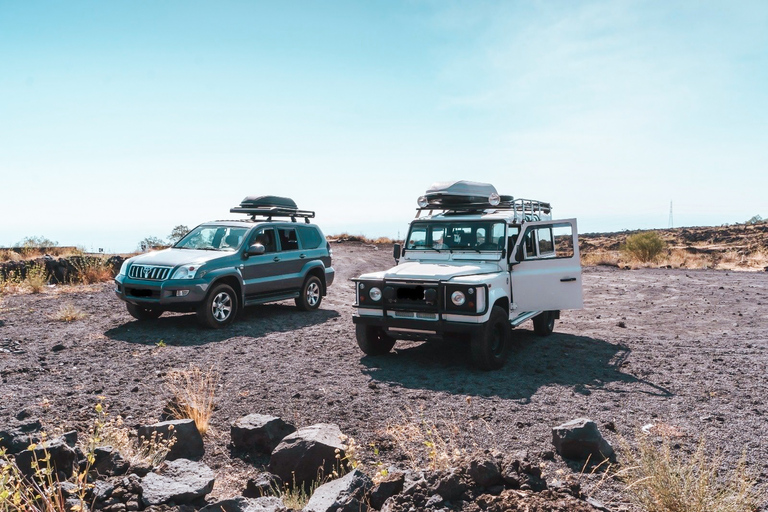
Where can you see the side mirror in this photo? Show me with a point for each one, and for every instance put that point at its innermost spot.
(396, 253)
(255, 250)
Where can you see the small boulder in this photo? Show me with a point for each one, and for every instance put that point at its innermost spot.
(485, 471)
(188, 443)
(259, 433)
(263, 484)
(449, 484)
(241, 504)
(579, 439)
(179, 481)
(109, 462)
(17, 439)
(62, 458)
(346, 494)
(307, 454)
(389, 486)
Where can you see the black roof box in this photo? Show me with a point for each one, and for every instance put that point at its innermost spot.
(268, 202)
(271, 206)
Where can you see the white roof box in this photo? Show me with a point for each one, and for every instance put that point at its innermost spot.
(462, 188)
(461, 194)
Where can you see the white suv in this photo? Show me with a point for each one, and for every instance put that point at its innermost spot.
(475, 265)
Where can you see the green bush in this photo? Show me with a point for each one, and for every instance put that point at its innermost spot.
(644, 247)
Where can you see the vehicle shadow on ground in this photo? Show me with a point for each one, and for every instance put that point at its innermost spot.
(175, 329)
(582, 363)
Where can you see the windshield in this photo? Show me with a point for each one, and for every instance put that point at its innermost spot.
(213, 238)
(456, 236)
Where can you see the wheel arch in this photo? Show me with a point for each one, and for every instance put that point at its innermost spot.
(233, 282)
(317, 270)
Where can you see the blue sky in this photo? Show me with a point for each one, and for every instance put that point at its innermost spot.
(122, 119)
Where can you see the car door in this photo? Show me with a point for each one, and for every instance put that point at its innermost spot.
(291, 258)
(262, 274)
(545, 267)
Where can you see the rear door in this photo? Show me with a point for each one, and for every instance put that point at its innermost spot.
(546, 269)
(291, 257)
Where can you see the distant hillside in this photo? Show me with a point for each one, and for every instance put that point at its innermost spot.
(737, 247)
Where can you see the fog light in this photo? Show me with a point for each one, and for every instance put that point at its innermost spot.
(182, 293)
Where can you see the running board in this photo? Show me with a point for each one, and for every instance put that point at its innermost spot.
(522, 318)
(271, 298)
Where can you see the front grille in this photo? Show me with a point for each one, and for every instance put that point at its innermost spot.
(149, 272)
(415, 314)
(420, 297)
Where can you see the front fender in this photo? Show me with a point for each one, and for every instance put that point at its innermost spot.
(219, 275)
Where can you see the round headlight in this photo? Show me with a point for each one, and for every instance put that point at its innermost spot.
(374, 293)
(458, 298)
(422, 201)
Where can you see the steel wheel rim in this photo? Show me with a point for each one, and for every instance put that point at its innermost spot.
(313, 293)
(221, 306)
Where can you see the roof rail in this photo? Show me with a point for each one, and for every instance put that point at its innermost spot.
(272, 206)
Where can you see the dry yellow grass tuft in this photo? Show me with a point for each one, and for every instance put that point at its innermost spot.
(68, 312)
(194, 392)
(437, 443)
(660, 481)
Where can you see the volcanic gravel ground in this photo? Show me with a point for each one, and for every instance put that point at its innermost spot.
(685, 350)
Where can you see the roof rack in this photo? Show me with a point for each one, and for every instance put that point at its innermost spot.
(272, 206)
(524, 209)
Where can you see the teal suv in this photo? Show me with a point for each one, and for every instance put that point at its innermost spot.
(220, 267)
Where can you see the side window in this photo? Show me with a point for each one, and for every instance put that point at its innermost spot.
(288, 240)
(555, 241)
(266, 237)
(309, 237)
(563, 241)
(497, 235)
(530, 249)
(546, 247)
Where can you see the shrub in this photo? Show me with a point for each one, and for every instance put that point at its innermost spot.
(37, 278)
(10, 282)
(91, 270)
(193, 393)
(660, 481)
(645, 247)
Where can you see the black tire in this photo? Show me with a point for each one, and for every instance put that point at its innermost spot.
(140, 313)
(311, 294)
(219, 307)
(544, 323)
(373, 341)
(490, 347)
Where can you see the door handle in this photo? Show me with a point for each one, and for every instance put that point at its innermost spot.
(567, 279)
(277, 258)
(302, 256)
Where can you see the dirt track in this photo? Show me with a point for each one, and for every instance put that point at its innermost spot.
(686, 349)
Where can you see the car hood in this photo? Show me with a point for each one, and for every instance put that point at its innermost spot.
(173, 257)
(441, 271)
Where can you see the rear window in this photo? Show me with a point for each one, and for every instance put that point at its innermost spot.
(310, 238)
